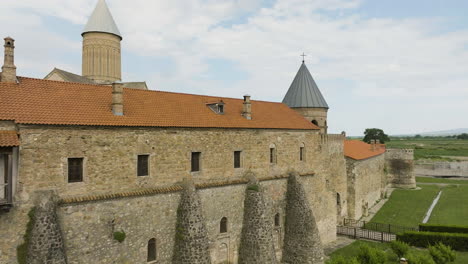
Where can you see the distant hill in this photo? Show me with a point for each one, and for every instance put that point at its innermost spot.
(440, 133)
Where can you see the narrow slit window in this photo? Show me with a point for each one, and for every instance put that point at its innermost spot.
(272, 155)
(151, 250)
(143, 165)
(277, 219)
(223, 225)
(301, 153)
(237, 159)
(196, 161)
(75, 169)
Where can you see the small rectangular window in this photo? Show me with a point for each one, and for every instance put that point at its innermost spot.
(301, 153)
(272, 155)
(237, 159)
(196, 161)
(75, 169)
(142, 166)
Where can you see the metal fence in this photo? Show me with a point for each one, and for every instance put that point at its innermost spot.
(379, 227)
(357, 233)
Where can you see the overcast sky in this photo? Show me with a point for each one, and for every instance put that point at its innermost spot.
(399, 65)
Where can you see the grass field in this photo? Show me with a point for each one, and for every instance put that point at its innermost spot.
(407, 207)
(352, 250)
(452, 208)
(432, 148)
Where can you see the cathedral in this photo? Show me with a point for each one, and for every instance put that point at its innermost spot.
(95, 169)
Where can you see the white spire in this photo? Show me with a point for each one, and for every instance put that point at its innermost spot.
(101, 20)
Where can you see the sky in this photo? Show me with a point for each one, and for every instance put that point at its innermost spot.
(398, 65)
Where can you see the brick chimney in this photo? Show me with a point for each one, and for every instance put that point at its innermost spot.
(9, 68)
(372, 143)
(247, 108)
(117, 99)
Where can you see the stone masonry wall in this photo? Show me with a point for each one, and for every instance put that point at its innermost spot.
(399, 165)
(46, 243)
(366, 184)
(256, 244)
(441, 168)
(110, 166)
(302, 243)
(191, 237)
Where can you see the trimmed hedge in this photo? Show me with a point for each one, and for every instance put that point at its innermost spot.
(443, 228)
(424, 239)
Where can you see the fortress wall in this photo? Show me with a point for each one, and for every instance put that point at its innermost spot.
(366, 184)
(110, 167)
(441, 168)
(399, 166)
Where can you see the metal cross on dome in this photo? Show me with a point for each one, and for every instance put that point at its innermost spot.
(303, 57)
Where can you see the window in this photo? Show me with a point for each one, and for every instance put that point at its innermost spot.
(302, 152)
(277, 219)
(142, 165)
(223, 225)
(272, 154)
(315, 122)
(237, 159)
(338, 199)
(221, 109)
(196, 161)
(75, 169)
(151, 250)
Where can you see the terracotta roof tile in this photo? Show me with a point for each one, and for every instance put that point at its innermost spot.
(360, 150)
(8, 139)
(37, 101)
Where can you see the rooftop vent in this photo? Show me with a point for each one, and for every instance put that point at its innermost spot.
(217, 107)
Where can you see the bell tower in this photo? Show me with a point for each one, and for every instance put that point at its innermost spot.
(101, 56)
(305, 98)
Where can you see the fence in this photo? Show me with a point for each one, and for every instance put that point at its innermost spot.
(380, 227)
(356, 233)
(370, 230)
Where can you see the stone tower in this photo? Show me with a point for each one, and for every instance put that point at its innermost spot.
(305, 97)
(101, 60)
(9, 68)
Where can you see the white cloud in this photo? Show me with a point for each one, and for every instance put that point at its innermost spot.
(388, 58)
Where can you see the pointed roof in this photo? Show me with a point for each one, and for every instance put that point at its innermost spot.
(101, 20)
(303, 91)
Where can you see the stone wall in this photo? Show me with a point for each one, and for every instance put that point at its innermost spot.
(399, 166)
(110, 167)
(441, 168)
(366, 184)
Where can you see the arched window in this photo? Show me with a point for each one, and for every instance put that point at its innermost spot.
(223, 225)
(151, 250)
(277, 219)
(302, 152)
(272, 153)
(315, 122)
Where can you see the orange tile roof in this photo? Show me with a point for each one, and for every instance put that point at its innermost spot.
(37, 101)
(360, 150)
(8, 139)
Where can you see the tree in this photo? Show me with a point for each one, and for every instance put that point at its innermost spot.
(399, 248)
(462, 136)
(375, 134)
(442, 254)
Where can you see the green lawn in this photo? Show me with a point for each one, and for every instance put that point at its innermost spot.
(352, 250)
(452, 208)
(437, 180)
(407, 207)
(432, 148)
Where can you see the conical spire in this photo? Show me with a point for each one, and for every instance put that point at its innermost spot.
(101, 20)
(303, 91)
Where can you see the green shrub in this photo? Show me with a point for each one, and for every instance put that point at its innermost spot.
(419, 258)
(342, 260)
(120, 236)
(369, 255)
(22, 250)
(425, 239)
(443, 228)
(442, 254)
(399, 248)
(253, 187)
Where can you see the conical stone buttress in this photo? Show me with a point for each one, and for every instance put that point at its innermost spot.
(256, 245)
(302, 242)
(191, 237)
